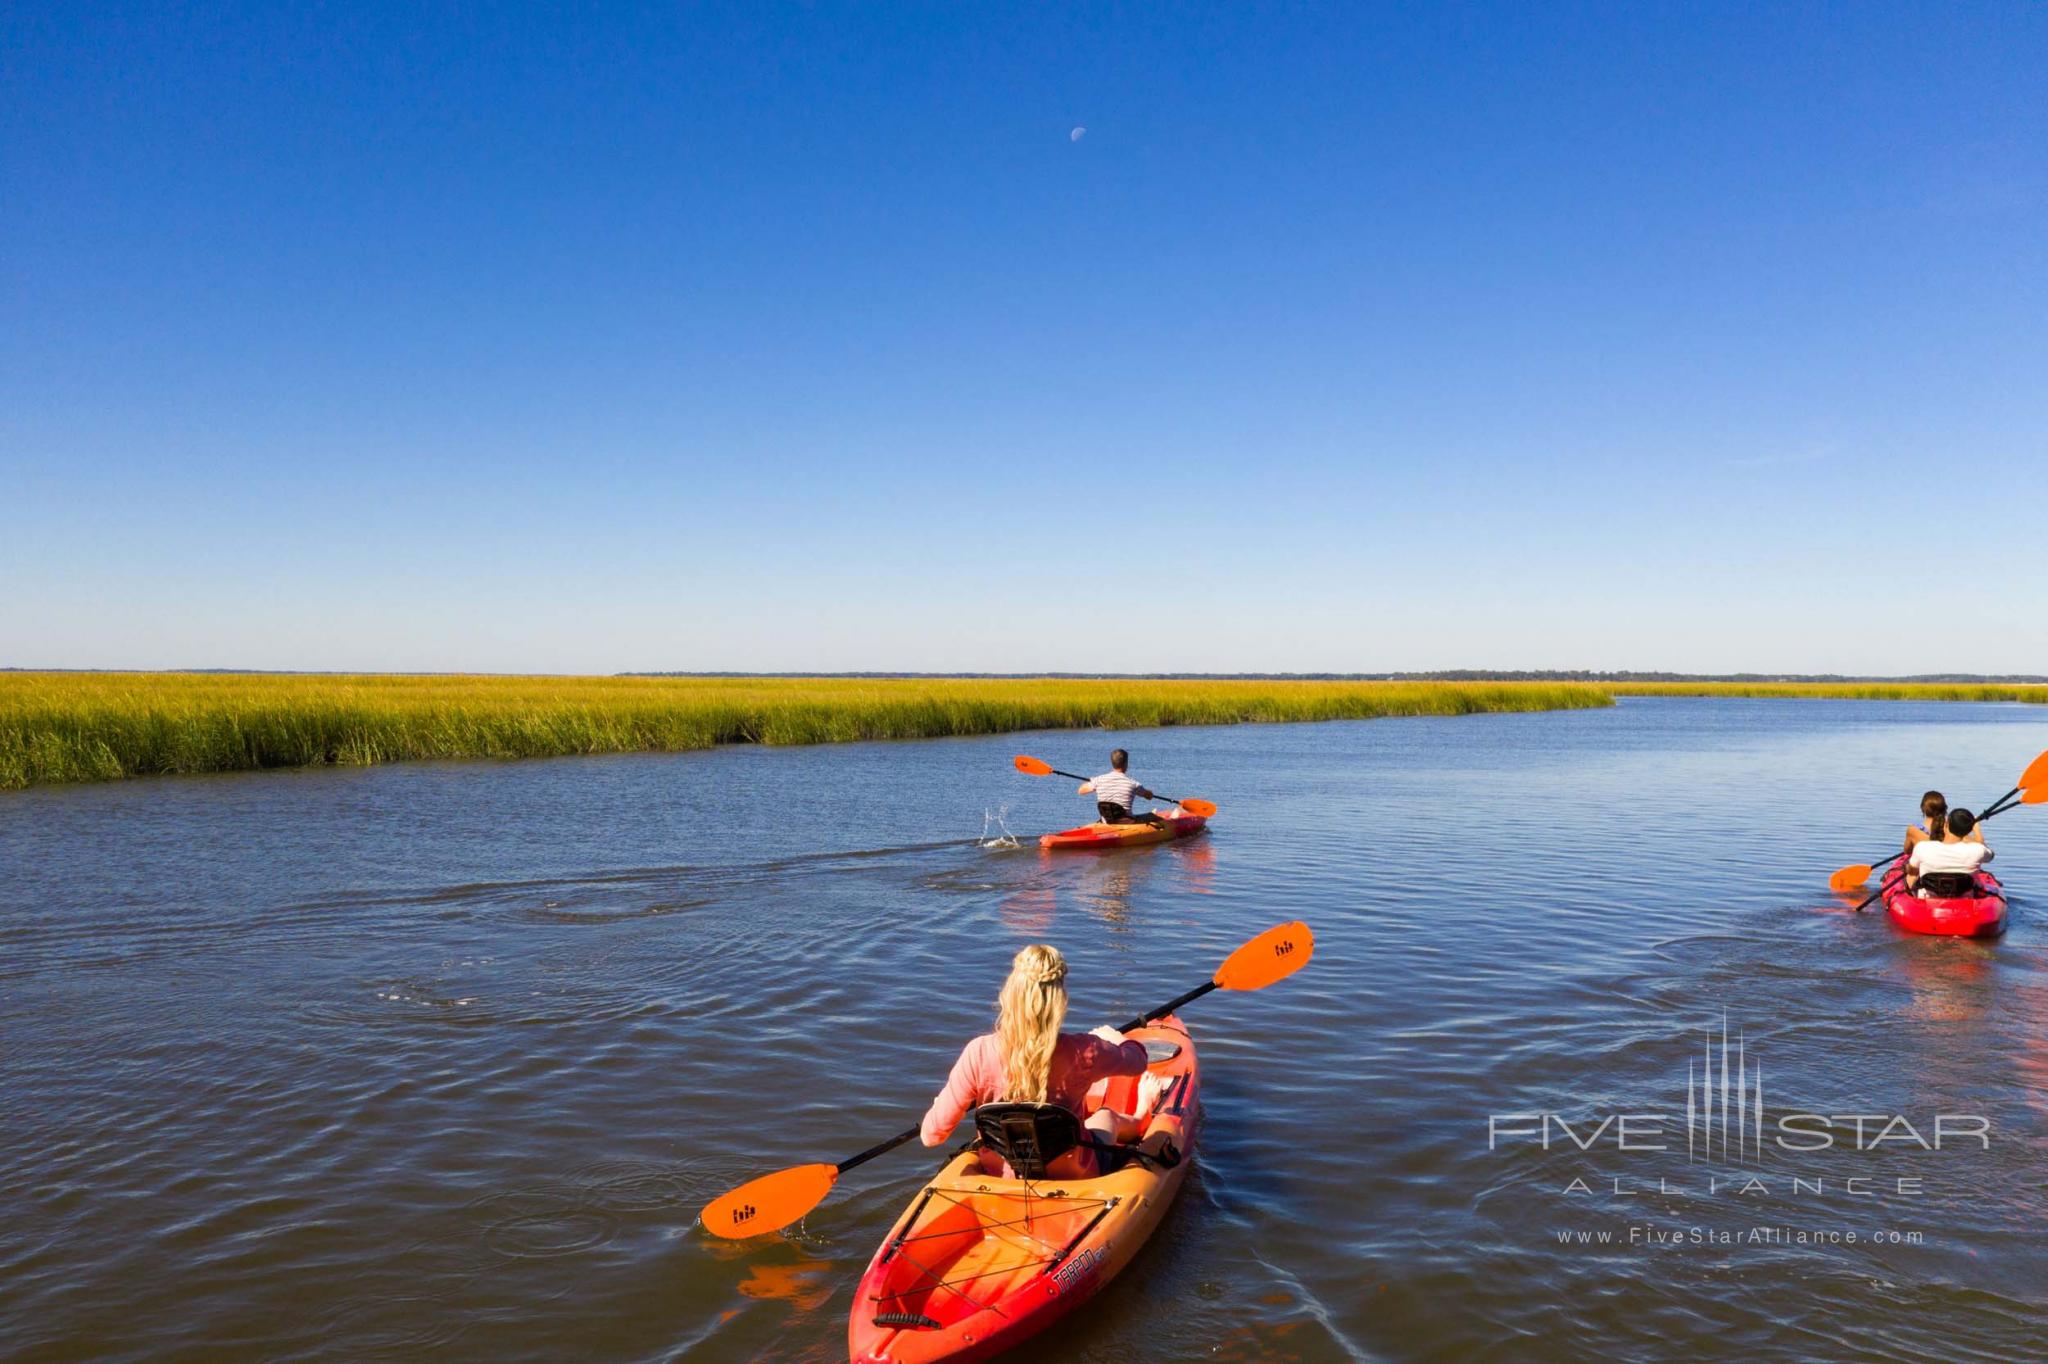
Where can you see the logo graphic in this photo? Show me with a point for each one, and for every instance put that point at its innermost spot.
(1713, 1105)
(1725, 1121)
(743, 1213)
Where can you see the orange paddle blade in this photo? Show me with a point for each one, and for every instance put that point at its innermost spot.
(1204, 808)
(2037, 796)
(1274, 955)
(1036, 768)
(2036, 775)
(769, 1203)
(1850, 878)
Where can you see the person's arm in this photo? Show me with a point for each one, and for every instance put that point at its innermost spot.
(1988, 854)
(960, 1094)
(1145, 792)
(1087, 788)
(1976, 834)
(1108, 1052)
(1913, 866)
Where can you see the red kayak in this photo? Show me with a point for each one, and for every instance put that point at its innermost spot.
(1967, 916)
(1129, 835)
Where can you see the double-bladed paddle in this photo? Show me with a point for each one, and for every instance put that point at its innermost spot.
(2031, 789)
(1033, 767)
(772, 1202)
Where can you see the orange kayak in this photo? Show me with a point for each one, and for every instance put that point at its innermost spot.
(979, 1263)
(1125, 835)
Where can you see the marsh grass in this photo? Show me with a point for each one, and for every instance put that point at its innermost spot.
(59, 727)
(2036, 694)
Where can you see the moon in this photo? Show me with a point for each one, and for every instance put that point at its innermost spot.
(1077, 134)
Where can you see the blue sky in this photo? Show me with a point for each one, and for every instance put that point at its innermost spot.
(1350, 338)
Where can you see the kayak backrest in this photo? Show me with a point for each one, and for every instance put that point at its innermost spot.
(1029, 1137)
(1949, 885)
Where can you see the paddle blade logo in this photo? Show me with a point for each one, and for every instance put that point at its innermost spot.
(1275, 954)
(772, 1201)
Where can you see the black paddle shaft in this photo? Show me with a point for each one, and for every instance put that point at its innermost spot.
(1163, 1010)
(878, 1149)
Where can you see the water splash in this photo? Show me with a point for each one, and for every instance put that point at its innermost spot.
(995, 832)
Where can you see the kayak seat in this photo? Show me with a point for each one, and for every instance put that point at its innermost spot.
(1029, 1137)
(1948, 885)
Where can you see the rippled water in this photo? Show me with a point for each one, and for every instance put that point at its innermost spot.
(443, 1059)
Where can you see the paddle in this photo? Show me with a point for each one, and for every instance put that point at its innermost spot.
(772, 1202)
(1033, 767)
(2033, 781)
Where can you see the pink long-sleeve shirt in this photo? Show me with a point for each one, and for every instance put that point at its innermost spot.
(1078, 1061)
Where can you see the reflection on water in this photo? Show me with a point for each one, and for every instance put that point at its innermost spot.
(442, 1059)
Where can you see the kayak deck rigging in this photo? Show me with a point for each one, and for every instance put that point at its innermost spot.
(984, 1243)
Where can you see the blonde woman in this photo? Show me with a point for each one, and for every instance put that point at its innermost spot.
(1027, 1059)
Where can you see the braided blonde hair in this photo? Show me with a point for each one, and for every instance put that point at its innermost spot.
(1033, 1005)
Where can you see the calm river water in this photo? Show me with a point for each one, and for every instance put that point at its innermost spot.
(443, 1059)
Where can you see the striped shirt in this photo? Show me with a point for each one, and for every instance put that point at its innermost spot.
(1116, 788)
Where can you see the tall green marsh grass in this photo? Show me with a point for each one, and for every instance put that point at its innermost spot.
(58, 727)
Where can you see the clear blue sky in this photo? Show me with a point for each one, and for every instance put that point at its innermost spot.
(1704, 338)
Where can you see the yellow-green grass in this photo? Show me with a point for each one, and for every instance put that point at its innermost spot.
(57, 727)
(1842, 691)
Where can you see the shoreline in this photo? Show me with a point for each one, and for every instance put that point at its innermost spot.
(62, 727)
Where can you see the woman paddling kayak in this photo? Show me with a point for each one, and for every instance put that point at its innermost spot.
(1934, 824)
(1027, 1059)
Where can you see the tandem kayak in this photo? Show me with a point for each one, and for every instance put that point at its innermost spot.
(1969, 916)
(1125, 835)
(979, 1262)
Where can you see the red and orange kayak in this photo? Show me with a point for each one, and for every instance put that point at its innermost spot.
(979, 1263)
(1968, 916)
(1097, 836)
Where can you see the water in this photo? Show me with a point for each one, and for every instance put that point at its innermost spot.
(442, 1059)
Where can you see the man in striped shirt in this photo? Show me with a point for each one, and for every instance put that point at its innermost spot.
(1115, 793)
